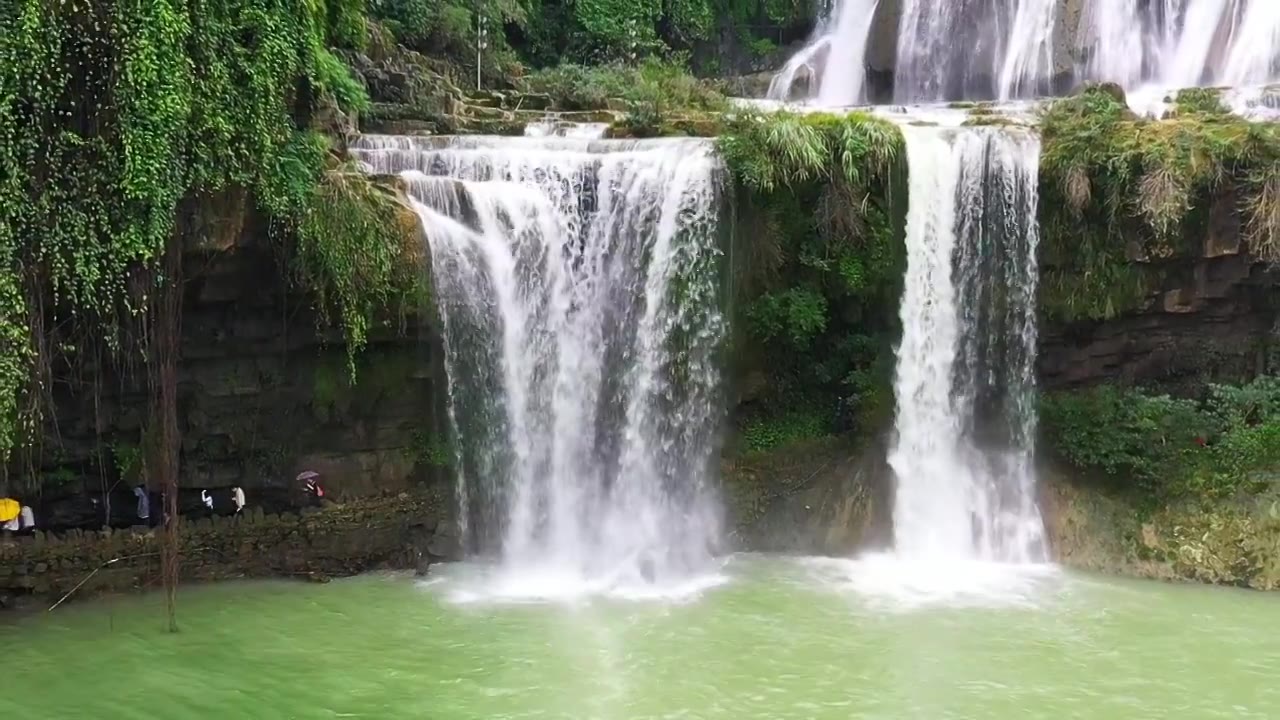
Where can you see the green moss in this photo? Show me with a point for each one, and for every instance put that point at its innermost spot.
(768, 433)
(378, 374)
(431, 450)
(1205, 101)
(819, 260)
(359, 251)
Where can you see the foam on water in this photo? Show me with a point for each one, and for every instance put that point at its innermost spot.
(476, 584)
(890, 583)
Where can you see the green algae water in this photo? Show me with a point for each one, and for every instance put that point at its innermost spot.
(771, 638)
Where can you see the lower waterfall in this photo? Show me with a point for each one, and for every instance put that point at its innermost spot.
(965, 519)
(579, 286)
(965, 426)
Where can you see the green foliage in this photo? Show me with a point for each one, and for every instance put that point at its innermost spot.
(654, 85)
(331, 75)
(618, 29)
(450, 29)
(347, 25)
(767, 433)
(431, 450)
(1199, 100)
(1116, 188)
(1169, 445)
(358, 250)
(797, 314)
(822, 260)
(117, 118)
(129, 460)
(1126, 434)
(766, 152)
(599, 32)
(762, 47)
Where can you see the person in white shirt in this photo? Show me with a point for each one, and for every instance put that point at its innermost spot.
(24, 520)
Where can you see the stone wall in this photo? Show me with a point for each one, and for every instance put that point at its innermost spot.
(394, 531)
(827, 497)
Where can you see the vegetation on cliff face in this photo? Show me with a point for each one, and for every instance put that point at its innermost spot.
(119, 121)
(1170, 447)
(657, 83)
(820, 260)
(1116, 189)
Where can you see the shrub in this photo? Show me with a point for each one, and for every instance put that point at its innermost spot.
(655, 85)
(1169, 446)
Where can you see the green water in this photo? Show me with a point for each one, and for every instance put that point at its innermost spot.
(782, 638)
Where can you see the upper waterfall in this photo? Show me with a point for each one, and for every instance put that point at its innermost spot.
(579, 286)
(957, 49)
(833, 60)
(1153, 46)
(1007, 49)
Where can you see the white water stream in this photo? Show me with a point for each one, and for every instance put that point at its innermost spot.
(1005, 49)
(579, 286)
(965, 427)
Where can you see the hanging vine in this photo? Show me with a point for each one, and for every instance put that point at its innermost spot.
(111, 113)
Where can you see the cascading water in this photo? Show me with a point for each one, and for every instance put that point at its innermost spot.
(832, 62)
(946, 49)
(1181, 43)
(967, 49)
(1008, 49)
(579, 286)
(965, 426)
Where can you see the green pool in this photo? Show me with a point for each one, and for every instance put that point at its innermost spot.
(770, 638)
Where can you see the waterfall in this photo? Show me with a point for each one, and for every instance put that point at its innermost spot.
(1009, 49)
(1180, 43)
(946, 49)
(965, 425)
(832, 62)
(958, 49)
(579, 287)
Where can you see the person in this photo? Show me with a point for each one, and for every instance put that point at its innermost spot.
(144, 504)
(16, 517)
(311, 487)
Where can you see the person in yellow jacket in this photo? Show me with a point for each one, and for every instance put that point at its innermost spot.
(15, 516)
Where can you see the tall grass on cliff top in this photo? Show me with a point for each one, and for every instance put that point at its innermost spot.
(845, 161)
(1116, 187)
(1100, 156)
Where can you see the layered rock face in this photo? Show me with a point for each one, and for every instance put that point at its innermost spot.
(262, 396)
(1212, 315)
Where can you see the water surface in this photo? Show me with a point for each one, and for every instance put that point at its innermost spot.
(780, 638)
